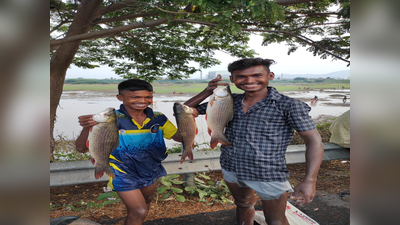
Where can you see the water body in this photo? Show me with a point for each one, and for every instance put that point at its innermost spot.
(76, 103)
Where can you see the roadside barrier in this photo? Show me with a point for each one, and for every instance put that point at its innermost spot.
(82, 172)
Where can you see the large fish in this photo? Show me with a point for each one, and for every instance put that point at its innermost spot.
(219, 113)
(187, 128)
(103, 139)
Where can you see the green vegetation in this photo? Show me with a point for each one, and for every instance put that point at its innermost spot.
(81, 205)
(171, 187)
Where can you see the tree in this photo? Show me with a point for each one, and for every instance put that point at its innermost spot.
(152, 38)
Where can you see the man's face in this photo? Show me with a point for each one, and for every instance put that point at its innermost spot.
(252, 79)
(136, 100)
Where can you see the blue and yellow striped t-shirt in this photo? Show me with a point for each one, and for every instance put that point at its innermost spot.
(137, 160)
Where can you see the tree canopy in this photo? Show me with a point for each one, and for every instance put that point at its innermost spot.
(147, 39)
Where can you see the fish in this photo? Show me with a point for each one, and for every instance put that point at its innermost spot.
(103, 139)
(187, 128)
(219, 112)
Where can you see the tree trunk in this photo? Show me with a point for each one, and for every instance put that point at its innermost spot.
(62, 58)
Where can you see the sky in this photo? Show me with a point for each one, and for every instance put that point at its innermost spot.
(299, 62)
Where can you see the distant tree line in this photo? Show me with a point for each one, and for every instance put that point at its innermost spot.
(165, 81)
(311, 80)
(116, 81)
(92, 81)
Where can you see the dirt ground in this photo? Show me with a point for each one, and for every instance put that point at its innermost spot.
(327, 207)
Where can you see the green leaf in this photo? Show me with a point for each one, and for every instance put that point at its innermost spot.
(176, 190)
(166, 183)
(162, 189)
(166, 195)
(111, 201)
(177, 181)
(213, 195)
(172, 176)
(180, 198)
(106, 195)
(190, 188)
(202, 193)
(204, 176)
(199, 180)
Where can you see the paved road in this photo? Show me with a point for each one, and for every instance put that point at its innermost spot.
(327, 209)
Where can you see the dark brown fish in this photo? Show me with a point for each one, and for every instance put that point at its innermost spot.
(187, 128)
(103, 139)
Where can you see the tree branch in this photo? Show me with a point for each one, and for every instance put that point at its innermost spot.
(124, 17)
(59, 25)
(304, 39)
(103, 33)
(312, 13)
(292, 2)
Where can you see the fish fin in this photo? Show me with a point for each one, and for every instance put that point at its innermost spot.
(224, 141)
(116, 145)
(92, 160)
(211, 102)
(213, 142)
(109, 171)
(209, 131)
(87, 143)
(206, 116)
(98, 172)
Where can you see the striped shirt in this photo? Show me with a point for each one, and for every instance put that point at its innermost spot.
(260, 136)
(137, 161)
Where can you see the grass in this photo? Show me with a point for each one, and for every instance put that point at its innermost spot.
(163, 88)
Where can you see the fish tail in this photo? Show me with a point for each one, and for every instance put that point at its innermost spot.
(186, 153)
(222, 139)
(213, 142)
(219, 139)
(99, 172)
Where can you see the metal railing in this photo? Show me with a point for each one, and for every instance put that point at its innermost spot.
(82, 172)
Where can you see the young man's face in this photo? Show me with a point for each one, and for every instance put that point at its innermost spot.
(252, 79)
(136, 100)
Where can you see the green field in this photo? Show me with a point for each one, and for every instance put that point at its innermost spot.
(198, 87)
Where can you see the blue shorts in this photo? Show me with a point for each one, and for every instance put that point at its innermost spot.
(266, 190)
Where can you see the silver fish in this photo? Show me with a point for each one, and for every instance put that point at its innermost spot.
(219, 113)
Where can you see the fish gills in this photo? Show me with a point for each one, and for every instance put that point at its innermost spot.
(103, 139)
(187, 128)
(219, 113)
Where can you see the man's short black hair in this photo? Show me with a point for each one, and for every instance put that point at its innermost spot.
(134, 85)
(242, 64)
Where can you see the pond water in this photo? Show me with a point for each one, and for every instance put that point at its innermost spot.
(76, 103)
